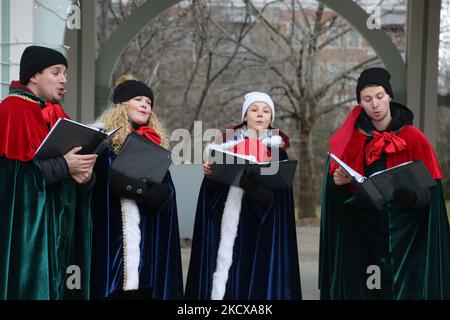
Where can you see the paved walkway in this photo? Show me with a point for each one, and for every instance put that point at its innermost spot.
(308, 244)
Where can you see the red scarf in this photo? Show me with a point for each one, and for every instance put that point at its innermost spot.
(253, 147)
(149, 133)
(52, 112)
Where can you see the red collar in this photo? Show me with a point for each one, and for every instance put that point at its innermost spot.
(149, 133)
(18, 85)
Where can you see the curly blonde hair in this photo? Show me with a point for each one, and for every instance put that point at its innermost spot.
(117, 116)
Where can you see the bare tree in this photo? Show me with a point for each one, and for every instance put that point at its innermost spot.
(211, 50)
(297, 63)
(202, 57)
(444, 49)
(142, 57)
(443, 139)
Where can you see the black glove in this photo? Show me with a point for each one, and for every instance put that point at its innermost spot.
(126, 187)
(156, 195)
(152, 194)
(213, 186)
(405, 198)
(255, 191)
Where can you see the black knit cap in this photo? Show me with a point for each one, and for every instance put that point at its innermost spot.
(130, 89)
(36, 58)
(376, 76)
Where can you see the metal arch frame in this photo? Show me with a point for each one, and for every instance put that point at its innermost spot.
(355, 15)
(111, 50)
(350, 11)
(379, 41)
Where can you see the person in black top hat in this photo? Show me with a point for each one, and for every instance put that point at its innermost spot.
(136, 243)
(398, 251)
(39, 199)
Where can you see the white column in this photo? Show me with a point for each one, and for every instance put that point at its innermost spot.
(32, 22)
(20, 33)
(50, 22)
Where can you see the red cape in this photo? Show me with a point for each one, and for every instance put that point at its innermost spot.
(24, 125)
(348, 143)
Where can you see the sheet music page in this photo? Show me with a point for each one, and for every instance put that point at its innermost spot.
(237, 155)
(113, 131)
(347, 168)
(399, 165)
(81, 124)
(48, 134)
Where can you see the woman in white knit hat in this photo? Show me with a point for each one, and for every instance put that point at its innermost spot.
(244, 243)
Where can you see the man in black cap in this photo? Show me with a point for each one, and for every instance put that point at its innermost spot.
(39, 228)
(398, 251)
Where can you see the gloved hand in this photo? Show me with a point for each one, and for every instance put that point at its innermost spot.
(405, 198)
(153, 195)
(126, 187)
(156, 195)
(247, 183)
(255, 191)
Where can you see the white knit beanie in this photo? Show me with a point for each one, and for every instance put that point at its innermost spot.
(255, 96)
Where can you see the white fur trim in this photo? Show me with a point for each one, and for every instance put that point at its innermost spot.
(131, 243)
(273, 141)
(230, 221)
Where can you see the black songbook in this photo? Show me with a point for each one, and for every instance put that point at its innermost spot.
(140, 158)
(67, 134)
(228, 168)
(379, 187)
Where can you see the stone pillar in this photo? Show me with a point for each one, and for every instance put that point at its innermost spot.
(422, 63)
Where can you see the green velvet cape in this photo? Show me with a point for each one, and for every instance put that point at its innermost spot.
(410, 246)
(43, 232)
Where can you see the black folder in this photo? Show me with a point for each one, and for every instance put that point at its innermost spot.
(380, 186)
(230, 169)
(139, 158)
(67, 134)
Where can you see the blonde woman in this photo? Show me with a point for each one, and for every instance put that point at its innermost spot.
(136, 245)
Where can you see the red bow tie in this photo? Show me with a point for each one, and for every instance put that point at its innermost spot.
(149, 133)
(52, 112)
(386, 142)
